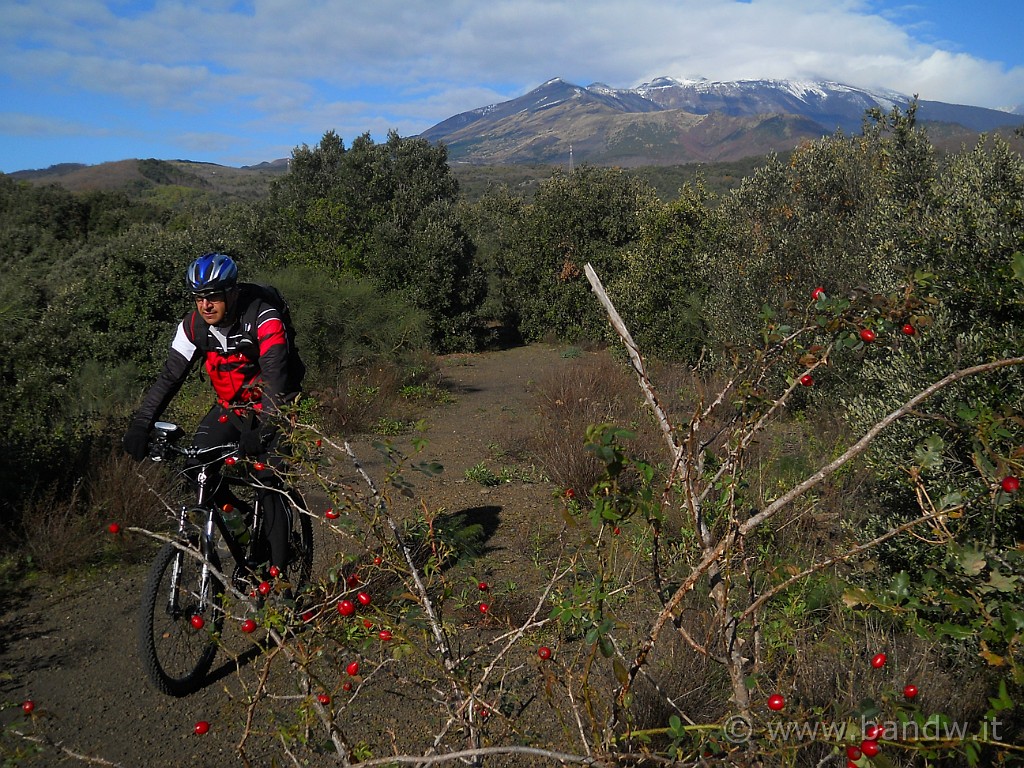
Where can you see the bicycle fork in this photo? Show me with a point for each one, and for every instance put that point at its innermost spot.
(205, 544)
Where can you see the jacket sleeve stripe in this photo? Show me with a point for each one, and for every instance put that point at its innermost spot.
(182, 344)
(270, 333)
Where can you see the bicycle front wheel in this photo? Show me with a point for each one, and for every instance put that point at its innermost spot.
(180, 619)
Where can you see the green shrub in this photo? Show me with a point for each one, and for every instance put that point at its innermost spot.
(345, 322)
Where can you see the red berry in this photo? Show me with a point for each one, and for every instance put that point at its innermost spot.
(259, 466)
(346, 686)
(378, 560)
(201, 727)
(867, 335)
(873, 732)
(908, 329)
(223, 419)
(264, 588)
(307, 616)
(384, 635)
(363, 598)
(231, 461)
(807, 380)
(330, 514)
(28, 706)
(818, 293)
(248, 626)
(570, 493)
(869, 748)
(352, 581)
(114, 528)
(852, 764)
(544, 652)
(484, 607)
(853, 752)
(197, 621)
(776, 702)
(324, 699)
(274, 571)
(319, 443)
(1010, 484)
(879, 660)
(484, 714)
(346, 608)
(352, 669)
(910, 691)
(616, 530)
(482, 586)
(367, 623)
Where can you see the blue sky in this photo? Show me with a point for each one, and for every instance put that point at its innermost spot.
(238, 82)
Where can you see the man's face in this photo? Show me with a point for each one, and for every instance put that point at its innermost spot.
(213, 307)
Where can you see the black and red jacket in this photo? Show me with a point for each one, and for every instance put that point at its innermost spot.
(247, 359)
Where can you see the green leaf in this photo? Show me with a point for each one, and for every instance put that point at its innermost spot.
(675, 726)
(954, 631)
(901, 585)
(1002, 583)
(971, 561)
(928, 454)
(972, 753)
(950, 501)
(1003, 700)
(1018, 265)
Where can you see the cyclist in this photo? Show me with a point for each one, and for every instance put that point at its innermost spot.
(243, 340)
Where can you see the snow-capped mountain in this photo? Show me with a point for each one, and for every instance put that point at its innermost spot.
(677, 121)
(825, 102)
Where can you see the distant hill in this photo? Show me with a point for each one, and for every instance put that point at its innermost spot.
(142, 176)
(671, 122)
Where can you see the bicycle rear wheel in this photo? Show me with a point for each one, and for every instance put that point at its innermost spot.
(300, 540)
(177, 650)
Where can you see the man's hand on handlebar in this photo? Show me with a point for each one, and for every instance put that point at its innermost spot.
(136, 442)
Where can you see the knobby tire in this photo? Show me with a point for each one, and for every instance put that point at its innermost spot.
(175, 655)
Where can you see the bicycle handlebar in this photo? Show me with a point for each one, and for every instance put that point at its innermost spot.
(165, 441)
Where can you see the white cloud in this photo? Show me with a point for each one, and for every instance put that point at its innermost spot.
(309, 65)
(36, 126)
(207, 50)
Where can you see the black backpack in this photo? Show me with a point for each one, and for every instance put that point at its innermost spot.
(273, 297)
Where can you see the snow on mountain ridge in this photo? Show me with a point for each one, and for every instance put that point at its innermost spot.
(802, 90)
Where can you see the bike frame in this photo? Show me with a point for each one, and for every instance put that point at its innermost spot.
(212, 519)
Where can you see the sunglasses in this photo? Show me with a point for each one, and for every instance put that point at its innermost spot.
(217, 297)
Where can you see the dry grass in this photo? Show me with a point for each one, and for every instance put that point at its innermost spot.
(363, 397)
(64, 532)
(594, 390)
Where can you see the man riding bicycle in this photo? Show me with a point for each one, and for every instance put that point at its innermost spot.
(243, 340)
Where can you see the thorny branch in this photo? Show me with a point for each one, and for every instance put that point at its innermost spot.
(713, 553)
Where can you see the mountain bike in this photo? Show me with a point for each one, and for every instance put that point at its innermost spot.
(182, 612)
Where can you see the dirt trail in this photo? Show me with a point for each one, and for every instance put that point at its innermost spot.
(69, 645)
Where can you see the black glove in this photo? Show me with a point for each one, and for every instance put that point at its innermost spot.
(136, 442)
(251, 441)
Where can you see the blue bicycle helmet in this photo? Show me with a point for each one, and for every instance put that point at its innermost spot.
(211, 273)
